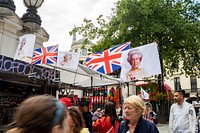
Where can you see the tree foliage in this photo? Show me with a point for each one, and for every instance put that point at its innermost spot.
(173, 24)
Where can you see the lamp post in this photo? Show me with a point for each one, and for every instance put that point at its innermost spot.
(7, 4)
(31, 19)
(7, 7)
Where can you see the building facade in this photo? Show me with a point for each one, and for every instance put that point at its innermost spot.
(18, 78)
(79, 46)
(191, 84)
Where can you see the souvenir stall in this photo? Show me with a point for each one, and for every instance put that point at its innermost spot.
(98, 96)
(115, 95)
(19, 80)
(64, 93)
(92, 84)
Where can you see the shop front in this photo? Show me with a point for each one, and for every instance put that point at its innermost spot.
(19, 80)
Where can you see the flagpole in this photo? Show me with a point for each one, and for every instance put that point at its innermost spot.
(76, 71)
(32, 55)
(131, 85)
(127, 83)
(92, 84)
(54, 77)
(31, 67)
(55, 67)
(75, 75)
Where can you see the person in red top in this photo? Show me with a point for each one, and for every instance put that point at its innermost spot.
(110, 122)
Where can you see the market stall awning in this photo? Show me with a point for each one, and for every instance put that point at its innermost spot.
(82, 76)
(86, 77)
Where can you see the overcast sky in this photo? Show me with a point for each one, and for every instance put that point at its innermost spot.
(60, 16)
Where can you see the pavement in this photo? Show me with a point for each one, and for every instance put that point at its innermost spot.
(163, 128)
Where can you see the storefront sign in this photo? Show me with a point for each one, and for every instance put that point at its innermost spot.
(15, 66)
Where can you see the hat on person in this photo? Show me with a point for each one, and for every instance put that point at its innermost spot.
(67, 101)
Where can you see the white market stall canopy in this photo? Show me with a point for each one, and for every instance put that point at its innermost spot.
(82, 77)
(86, 77)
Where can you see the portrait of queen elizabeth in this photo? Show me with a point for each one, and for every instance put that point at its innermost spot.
(134, 59)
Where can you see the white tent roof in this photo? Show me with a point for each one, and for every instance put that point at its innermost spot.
(82, 77)
(86, 77)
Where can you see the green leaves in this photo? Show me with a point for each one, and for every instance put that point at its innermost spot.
(174, 25)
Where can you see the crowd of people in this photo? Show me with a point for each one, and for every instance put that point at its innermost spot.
(46, 114)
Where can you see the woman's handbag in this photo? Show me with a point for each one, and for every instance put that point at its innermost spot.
(109, 130)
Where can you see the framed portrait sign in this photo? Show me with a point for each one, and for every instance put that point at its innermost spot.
(140, 62)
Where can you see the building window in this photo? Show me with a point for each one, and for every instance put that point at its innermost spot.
(84, 52)
(76, 50)
(193, 82)
(177, 85)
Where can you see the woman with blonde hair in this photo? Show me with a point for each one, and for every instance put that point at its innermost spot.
(75, 120)
(40, 114)
(134, 109)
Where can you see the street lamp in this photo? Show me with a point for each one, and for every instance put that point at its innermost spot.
(33, 3)
(31, 19)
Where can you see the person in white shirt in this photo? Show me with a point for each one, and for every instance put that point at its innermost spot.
(182, 117)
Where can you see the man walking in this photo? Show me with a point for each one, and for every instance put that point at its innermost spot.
(182, 117)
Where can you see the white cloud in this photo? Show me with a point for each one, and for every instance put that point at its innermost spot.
(59, 17)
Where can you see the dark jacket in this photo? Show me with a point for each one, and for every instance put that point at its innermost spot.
(143, 126)
(88, 120)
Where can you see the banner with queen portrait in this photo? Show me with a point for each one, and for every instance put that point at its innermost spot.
(140, 62)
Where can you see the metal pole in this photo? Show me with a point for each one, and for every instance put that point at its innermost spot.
(128, 88)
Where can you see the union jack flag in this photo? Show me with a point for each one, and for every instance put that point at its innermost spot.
(46, 55)
(107, 61)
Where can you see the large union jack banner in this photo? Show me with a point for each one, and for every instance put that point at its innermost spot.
(46, 55)
(107, 61)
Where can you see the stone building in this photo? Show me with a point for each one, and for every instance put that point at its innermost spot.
(84, 50)
(191, 84)
(16, 79)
